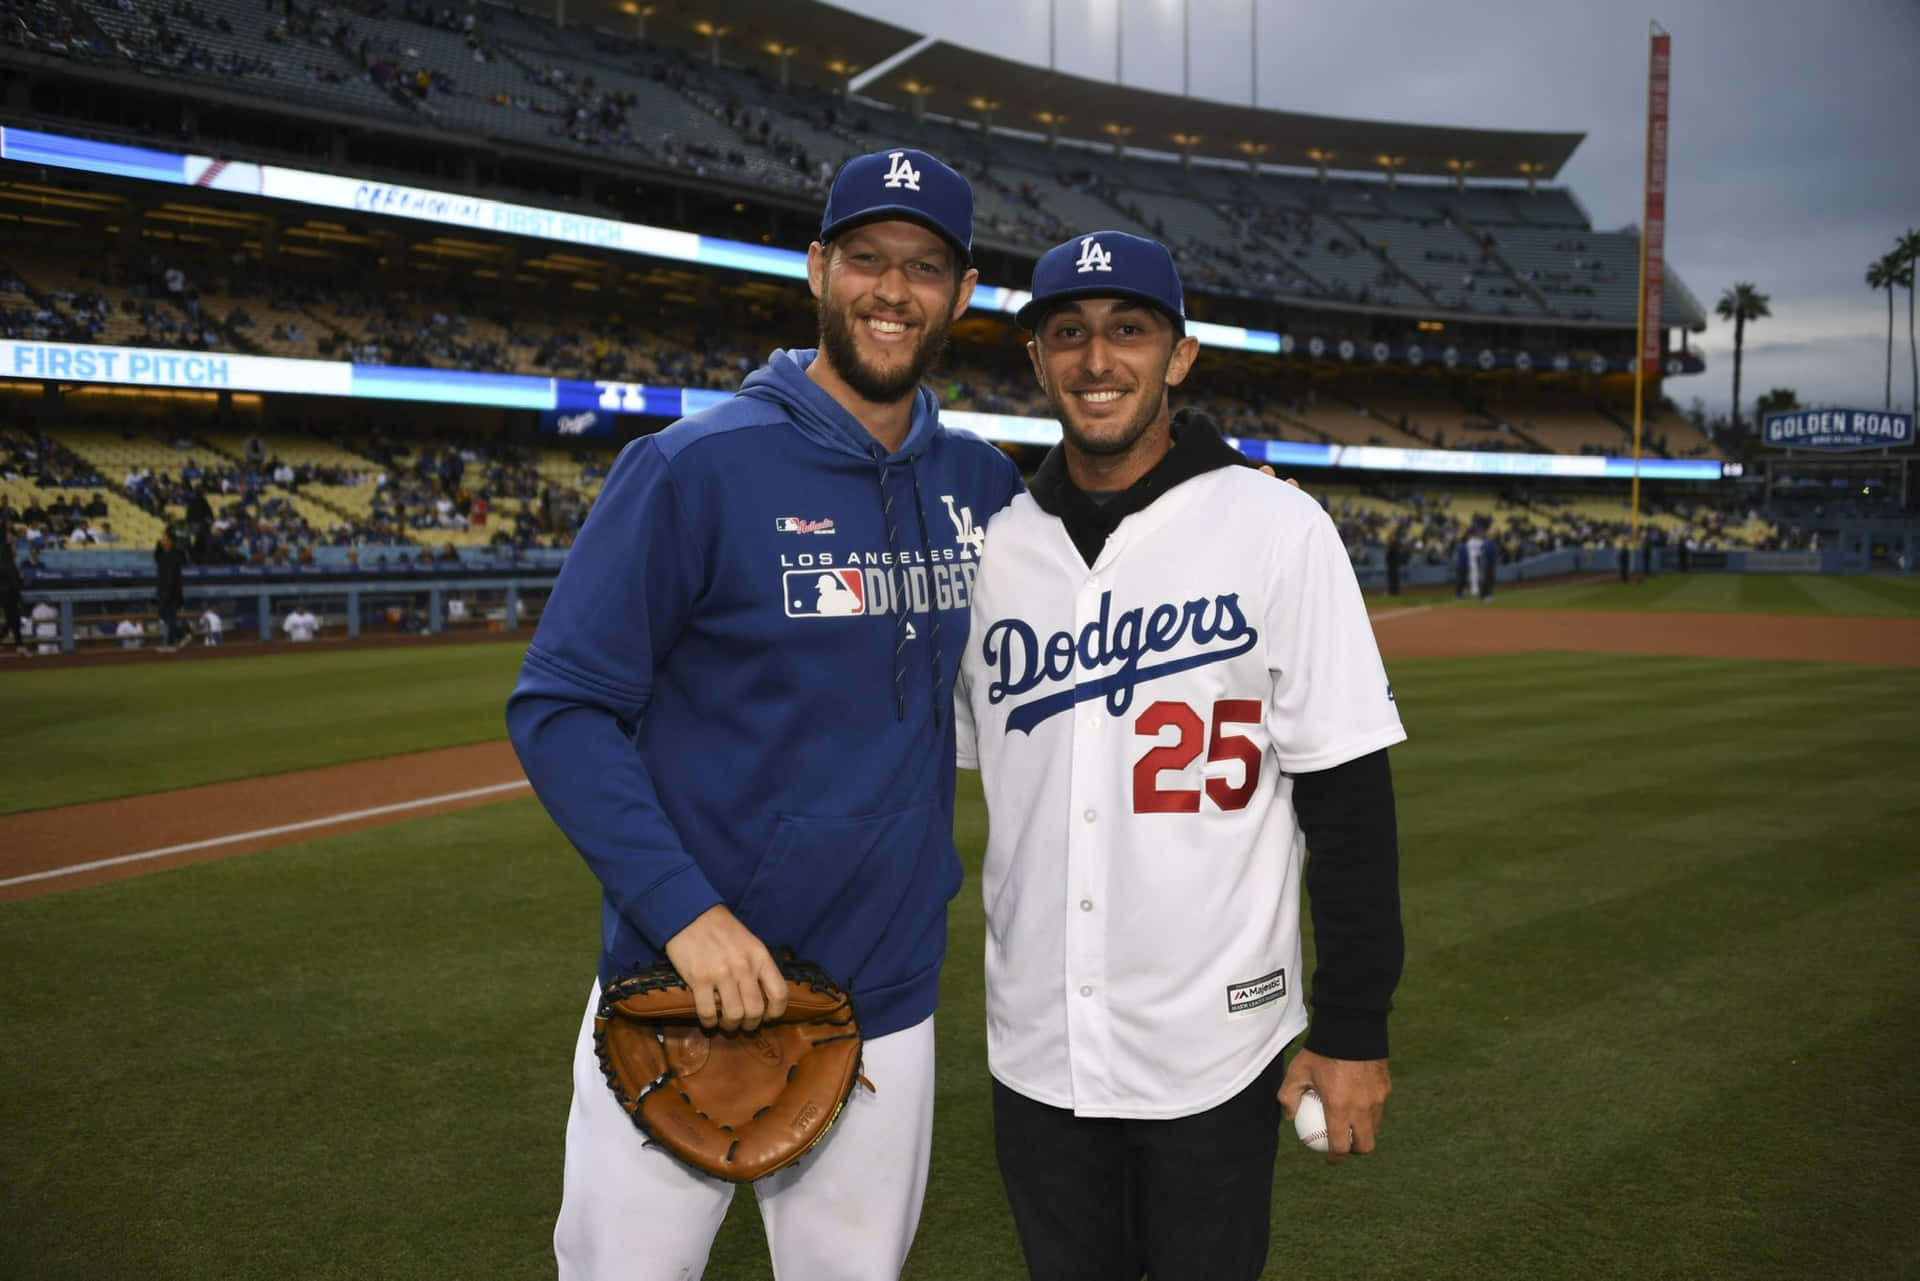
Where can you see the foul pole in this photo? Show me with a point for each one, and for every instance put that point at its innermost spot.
(1653, 243)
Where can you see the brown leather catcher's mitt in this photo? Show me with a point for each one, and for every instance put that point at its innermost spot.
(734, 1104)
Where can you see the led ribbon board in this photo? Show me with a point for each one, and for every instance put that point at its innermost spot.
(214, 371)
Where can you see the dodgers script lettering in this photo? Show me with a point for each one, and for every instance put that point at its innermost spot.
(1109, 650)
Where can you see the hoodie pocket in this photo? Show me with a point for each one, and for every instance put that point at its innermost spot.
(832, 888)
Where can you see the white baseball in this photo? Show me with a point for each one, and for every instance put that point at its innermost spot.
(1310, 1122)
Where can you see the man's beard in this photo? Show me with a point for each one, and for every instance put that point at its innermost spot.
(1107, 446)
(875, 386)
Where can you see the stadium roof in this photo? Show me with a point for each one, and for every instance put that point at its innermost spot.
(826, 44)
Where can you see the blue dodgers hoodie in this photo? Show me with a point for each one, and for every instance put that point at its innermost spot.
(741, 689)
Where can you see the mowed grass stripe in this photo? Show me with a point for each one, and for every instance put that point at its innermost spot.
(1782, 595)
(1867, 596)
(79, 734)
(1625, 1139)
(1658, 1027)
(342, 1059)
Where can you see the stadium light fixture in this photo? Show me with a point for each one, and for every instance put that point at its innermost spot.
(713, 33)
(784, 52)
(919, 89)
(1322, 158)
(1392, 165)
(1460, 168)
(1532, 169)
(846, 71)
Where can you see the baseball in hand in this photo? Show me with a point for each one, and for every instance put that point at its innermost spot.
(1310, 1122)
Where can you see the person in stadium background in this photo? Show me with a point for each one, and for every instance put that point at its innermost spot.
(1143, 950)
(300, 624)
(211, 626)
(169, 562)
(747, 770)
(1396, 558)
(12, 588)
(46, 627)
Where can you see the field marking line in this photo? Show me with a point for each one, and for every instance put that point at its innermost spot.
(1399, 613)
(329, 820)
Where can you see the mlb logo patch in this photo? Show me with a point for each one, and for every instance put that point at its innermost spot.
(825, 593)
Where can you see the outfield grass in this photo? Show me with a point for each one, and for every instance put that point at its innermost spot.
(1829, 595)
(1657, 1020)
(76, 734)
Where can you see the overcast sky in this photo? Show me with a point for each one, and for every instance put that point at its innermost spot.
(1795, 153)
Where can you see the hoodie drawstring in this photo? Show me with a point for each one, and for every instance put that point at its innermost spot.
(903, 602)
(933, 614)
(899, 613)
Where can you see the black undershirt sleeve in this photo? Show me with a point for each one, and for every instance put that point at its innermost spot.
(1353, 883)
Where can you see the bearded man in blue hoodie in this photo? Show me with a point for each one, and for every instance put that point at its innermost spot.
(738, 707)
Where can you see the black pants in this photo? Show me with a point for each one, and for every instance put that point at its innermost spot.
(1098, 1199)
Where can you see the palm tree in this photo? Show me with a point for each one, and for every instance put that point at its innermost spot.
(1880, 275)
(1908, 252)
(1740, 304)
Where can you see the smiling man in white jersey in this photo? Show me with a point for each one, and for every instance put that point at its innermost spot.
(1170, 688)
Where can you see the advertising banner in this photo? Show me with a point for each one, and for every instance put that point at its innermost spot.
(1837, 430)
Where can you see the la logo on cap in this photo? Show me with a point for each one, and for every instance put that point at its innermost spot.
(1093, 257)
(901, 172)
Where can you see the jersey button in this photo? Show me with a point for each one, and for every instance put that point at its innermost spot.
(1086, 905)
(1088, 815)
(1086, 991)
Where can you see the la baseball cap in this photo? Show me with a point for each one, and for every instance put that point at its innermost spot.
(901, 183)
(1106, 264)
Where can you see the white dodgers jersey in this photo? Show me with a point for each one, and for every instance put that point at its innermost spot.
(1135, 724)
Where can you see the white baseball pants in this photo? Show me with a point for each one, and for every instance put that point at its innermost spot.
(846, 1211)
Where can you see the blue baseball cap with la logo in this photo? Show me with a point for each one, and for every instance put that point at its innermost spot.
(1106, 264)
(901, 183)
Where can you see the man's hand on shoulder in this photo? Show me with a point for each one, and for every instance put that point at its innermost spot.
(734, 979)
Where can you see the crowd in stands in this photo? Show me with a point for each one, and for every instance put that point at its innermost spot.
(250, 509)
(245, 511)
(32, 456)
(50, 29)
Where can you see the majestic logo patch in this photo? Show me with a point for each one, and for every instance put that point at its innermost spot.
(1093, 257)
(1255, 993)
(825, 593)
(901, 173)
(801, 525)
(1107, 652)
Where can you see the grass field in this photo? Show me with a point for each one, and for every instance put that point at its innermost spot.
(77, 734)
(1657, 1019)
(1838, 596)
